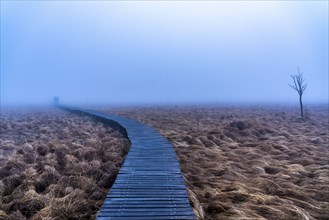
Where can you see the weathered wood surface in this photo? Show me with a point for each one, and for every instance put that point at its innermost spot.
(149, 184)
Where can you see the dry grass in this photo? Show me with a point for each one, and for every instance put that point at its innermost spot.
(238, 163)
(55, 165)
(248, 163)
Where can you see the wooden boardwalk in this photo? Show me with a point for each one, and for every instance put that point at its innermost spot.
(149, 184)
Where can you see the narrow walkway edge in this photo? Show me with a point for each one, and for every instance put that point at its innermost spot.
(150, 183)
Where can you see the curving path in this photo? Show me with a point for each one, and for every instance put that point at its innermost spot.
(149, 184)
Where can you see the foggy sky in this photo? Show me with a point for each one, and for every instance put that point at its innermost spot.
(162, 52)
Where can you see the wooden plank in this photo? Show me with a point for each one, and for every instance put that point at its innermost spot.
(161, 205)
(186, 217)
(125, 193)
(144, 213)
(150, 201)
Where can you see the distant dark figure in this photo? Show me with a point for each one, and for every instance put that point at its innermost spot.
(56, 100)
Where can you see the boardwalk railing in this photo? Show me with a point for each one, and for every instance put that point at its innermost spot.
(149, 184)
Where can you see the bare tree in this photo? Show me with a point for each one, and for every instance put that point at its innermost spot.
(300, 87)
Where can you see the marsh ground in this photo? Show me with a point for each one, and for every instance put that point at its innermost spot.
(237, 162)
(248, 162)
(55, 165)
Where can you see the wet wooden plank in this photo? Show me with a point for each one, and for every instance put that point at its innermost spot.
(186, 217)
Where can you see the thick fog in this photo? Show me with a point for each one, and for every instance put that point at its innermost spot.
(148, 52)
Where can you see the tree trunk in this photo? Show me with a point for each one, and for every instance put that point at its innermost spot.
(301, 107)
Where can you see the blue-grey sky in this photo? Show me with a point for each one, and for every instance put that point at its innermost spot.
(162, 51)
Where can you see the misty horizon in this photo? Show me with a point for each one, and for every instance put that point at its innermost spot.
(190, 52)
